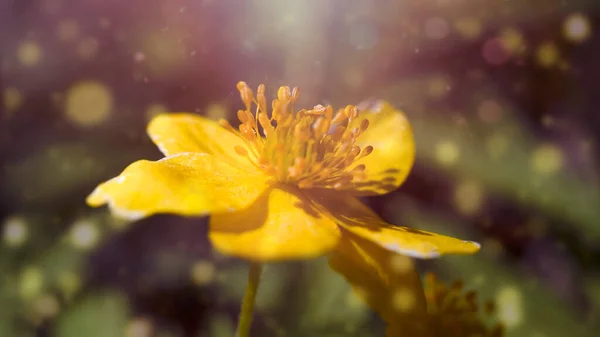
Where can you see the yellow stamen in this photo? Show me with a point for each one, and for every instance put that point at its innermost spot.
(309, 148)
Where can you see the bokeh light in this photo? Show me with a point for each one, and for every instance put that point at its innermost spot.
(510, 306)
(88, 103)
(468, 27)
(84, 234)
(12, 99)
(468, 197)
(15, 231)
(31, 282)
(547, 159)
(217, 111)
(547, 54)
(447, 152)
(203, 272)
(29, 53)
(577, 28)
(512, 41)
(139, 327)
(403, 299)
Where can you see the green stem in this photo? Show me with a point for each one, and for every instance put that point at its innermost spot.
(245, 320)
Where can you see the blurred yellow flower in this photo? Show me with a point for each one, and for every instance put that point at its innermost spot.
(454, 312)
(387, 282)
(438, 310)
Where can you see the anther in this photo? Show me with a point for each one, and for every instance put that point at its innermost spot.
(247, 132)
(240, 150)
(366, 151)
(246, 94)
(354, 112)
(284, 94)
(261, 98)
(241, 85)
(265, 123)
(261, 90)
(359, 168)
(241, 115)
(364, 125)
(224, 123)
(348, 111)
(360, 176)
(295, 94)
(321, 126)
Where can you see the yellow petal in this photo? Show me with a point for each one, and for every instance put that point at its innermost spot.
(186, 183)
(181, 132)
(393, 155)
(282, 224)
(386, 281)
(357, 218)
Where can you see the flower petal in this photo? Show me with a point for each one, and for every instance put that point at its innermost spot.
(182, 132)
(282, 224)
(186, 183)
(357, 218)
(386, 281)
(393, 155)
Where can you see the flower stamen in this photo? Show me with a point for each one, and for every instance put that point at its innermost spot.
(310, 148)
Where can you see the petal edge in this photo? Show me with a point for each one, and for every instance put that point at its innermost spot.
(192, 184)
(175, 133)
(357, 218)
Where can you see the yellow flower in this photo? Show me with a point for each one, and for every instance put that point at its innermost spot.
(284, 185)
(387, 282)
(453, 312)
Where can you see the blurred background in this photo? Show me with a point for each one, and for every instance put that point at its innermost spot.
(501, 95)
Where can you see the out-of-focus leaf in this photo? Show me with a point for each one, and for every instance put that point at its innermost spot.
(96, 315)
(329, 301)
(561, 194)
(221, 325)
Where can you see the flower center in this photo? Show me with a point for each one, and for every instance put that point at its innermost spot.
(310, 148)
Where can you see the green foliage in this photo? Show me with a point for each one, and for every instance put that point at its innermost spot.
(95, 315)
